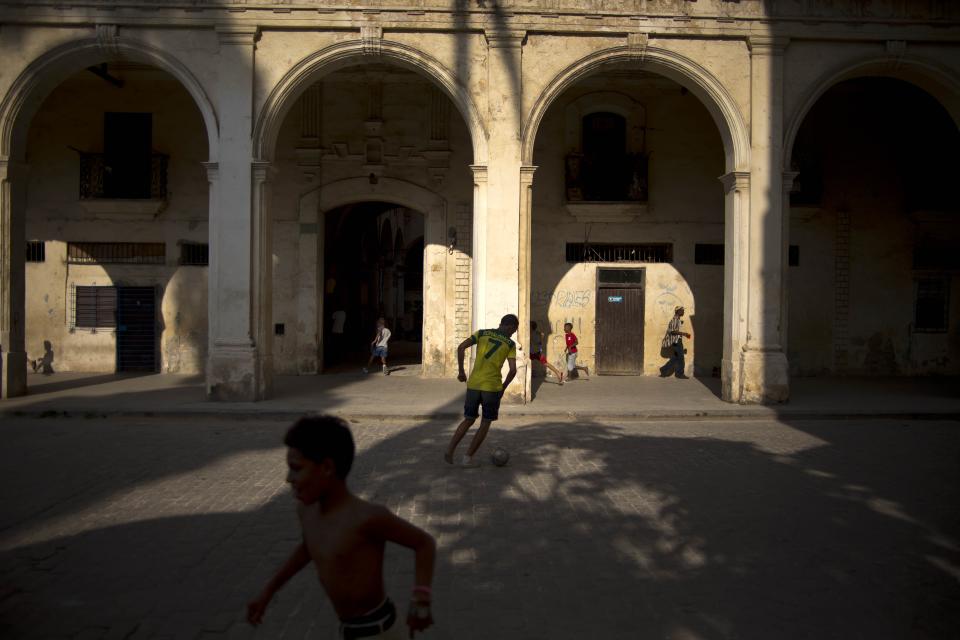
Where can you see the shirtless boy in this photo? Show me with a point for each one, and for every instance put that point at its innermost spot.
(344, 537)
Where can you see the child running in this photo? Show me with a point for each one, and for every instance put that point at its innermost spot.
(344, 536)
(571, 351)
(484, 388)
(378, 346)
(540, 354)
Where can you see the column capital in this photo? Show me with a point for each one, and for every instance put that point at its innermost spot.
(788, 178)
(11, 169)
(262, 170)
(238, 34)
(212, 169)
(767, 45)
(735, 181)
(526, 174)
(505, 38)
(479, 173)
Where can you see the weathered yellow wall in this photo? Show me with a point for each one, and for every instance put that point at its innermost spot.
(686, 207)
(73, 115)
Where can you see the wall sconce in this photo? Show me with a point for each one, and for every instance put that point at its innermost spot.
(451, 238)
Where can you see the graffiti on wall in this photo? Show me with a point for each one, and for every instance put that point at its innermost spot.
(563, 298)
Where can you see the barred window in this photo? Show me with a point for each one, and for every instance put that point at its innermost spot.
(116, 253)
(932, 306)
(94, 307)
(36, 251)
(582, 252)
(194, 254)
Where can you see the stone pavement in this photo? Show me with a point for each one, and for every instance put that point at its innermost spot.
(687, 530)
(406, 394)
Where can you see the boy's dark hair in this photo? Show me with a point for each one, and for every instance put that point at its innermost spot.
(320, 437)
(509, 320)
(568, 324)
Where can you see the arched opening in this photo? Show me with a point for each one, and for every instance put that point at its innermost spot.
(369, 276)
(628, 223)
(114, 212)
(874, 231)
(372, 197)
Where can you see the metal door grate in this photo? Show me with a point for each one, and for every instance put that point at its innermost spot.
(136, 329)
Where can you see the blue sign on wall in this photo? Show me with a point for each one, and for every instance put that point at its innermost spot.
(616, 299)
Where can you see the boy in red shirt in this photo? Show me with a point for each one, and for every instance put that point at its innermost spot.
(571, 352)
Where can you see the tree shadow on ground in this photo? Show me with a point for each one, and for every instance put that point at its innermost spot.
(654, 530)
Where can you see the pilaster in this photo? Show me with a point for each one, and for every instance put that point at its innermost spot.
(764, 372)
(736, 187)
(526, 271)
(235, 370)
(13, 357)
(502, 227)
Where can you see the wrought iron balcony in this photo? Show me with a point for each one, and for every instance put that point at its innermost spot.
(127, 180)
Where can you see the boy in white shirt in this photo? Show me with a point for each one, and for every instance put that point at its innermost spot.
(378, 346)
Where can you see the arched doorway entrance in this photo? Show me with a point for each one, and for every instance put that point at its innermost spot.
(371, 271)
(346, 126)
(114, 221)
(874, 231)
(680, 250)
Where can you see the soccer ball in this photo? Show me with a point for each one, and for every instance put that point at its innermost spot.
(500, 456)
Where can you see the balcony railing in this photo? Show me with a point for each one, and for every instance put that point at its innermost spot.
(99, 180)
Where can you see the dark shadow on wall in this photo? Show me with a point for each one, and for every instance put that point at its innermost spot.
(591, 530)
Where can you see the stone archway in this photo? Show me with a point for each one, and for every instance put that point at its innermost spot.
(356, 52)
(736, 139)
(19, 105)
(313, 206)
(925, 74)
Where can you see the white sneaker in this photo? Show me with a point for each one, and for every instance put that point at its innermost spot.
(386, 371)
(365, 370)
(468, 462)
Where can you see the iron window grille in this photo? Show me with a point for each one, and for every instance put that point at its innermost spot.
(116, 253)
(194, 254)
(93, 307)
(94, 168)
(648, 253)
(36, 251)
(932, 307)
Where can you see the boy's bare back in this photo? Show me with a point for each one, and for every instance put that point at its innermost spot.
(346, 547)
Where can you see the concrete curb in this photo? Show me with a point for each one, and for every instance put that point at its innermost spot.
(291, 414)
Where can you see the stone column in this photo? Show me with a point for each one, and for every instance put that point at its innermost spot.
(764, 376)
(234, 370)
(262, 295)
(736, 186)
(789, 177)
(500, 233)
(311, 315)
(13, 356)
(435, 265)
(526, 270)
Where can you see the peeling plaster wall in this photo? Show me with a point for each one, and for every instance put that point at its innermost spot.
(685, 207)
(73, 115)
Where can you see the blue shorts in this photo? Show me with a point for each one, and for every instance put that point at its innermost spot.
(490, 400)
(379, 352)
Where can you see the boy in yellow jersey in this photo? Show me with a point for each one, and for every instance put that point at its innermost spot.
(484, 388)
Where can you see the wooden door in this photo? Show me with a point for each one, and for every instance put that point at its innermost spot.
(619, 330)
